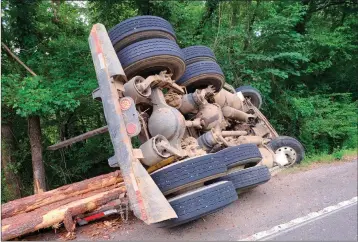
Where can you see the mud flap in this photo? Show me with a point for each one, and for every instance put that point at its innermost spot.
(147, 201)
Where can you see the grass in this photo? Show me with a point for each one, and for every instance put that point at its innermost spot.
(310, 160)
(336, 156)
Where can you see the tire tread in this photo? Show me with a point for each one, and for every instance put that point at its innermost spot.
(240, 155)
(139, 24)
(200, 202)
(187, 171)
(252, 176)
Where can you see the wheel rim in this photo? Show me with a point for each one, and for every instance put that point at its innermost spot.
(290, 154)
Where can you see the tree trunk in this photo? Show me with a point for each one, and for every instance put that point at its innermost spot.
(36, 154)
(301, 25)
(250, 23)
(12, 181)
(36, 201)
(211, 6)
(143, 6)
(43, 218)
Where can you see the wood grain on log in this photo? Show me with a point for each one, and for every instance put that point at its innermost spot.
(29, 222)
(36, 201)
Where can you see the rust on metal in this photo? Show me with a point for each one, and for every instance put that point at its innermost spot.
(161, 164)
(264, 119)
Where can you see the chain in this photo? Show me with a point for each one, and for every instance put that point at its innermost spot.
(123, 212)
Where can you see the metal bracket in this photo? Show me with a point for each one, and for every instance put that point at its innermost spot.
(112, 162)
(130, 116)
(96, 94)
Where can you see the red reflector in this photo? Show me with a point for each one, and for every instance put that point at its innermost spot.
(125, 103)
(131, 128)
(94, 216)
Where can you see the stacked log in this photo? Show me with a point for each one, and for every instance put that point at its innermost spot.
(44, 210)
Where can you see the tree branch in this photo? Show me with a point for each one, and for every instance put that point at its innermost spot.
(329, 5)
(17, 59)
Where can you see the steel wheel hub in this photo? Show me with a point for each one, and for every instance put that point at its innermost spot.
(289, 152)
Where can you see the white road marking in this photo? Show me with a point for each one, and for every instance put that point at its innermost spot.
(298, 222)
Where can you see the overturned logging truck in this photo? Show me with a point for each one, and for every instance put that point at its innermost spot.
(202, 141)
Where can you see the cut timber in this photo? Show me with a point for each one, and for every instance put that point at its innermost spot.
(33, 202)
(29, 222)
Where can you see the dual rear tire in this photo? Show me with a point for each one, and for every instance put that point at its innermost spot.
(146, 45)
(140, 28)
(151, 56)
(247, 178)
(200, 202)
(220, 185)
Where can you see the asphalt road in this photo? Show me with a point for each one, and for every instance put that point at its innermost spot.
(338, 226)
(291, 194)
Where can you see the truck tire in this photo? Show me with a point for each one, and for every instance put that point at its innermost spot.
(188, 172)
(240, 155)
(149, 57)
(139, 28)
(197, 203)
(198, 53)
(247, 178)
(252, 93)
(292, 148)
(202, 74)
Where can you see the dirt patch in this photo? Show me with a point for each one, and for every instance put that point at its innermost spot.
(317, 164)
(98, 230)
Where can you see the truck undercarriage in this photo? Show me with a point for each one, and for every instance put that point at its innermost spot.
(201, 140)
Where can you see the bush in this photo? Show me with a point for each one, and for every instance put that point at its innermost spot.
(338, 154)
(326, 122)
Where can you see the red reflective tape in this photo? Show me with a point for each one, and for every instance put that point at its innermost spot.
(141, 204)
(96, 41)
(94, 217)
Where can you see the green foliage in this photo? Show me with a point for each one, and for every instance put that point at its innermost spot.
(326, 121)
(5, 193)
(59, 53)
(338, 155)
(302, 57)
(29, 96)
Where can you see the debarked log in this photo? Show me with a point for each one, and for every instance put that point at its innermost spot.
(36, 201)
(52, 214)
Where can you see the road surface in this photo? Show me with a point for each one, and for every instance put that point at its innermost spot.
(321, 201)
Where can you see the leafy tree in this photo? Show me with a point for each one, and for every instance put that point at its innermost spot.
(62, 60)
